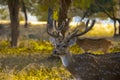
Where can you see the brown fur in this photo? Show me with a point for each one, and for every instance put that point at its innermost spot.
(94, 44)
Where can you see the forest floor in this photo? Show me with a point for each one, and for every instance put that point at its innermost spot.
(32, 59)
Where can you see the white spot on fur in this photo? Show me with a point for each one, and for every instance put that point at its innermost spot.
(64, 60)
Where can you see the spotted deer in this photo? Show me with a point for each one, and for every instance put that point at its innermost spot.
(84, 66)
(92, 45)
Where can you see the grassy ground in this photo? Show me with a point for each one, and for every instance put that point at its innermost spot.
(30, 62)
(31, 59)
(33, 62)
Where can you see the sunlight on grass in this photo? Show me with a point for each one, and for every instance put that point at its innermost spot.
(46, 71)
(25, 47)
(29, 61)
(98, 30)
(31, 46)
(43, 73)
(43, 69)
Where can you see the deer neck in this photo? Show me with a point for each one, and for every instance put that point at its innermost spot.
(67, 59)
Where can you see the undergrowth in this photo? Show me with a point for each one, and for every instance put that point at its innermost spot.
(26, 47)
(32, 46)
(33, 67)
(43, 73)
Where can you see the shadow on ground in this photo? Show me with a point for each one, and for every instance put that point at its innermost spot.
(19, 62)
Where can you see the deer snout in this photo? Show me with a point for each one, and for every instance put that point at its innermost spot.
(55, 53)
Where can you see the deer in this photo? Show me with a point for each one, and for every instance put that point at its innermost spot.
(85, 66)
(92, 45)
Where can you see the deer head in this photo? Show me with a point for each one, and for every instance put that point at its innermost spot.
(60, 42)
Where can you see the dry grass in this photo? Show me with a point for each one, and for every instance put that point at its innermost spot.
(31, 60)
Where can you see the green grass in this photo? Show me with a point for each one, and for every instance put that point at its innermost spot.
(43, 73)
(31, 61)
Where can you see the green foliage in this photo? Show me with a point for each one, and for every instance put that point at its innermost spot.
(39, 8)
(4, 13)
(82, 4)
(26, 47)
(76, 49)
(4, 44)
(45, 69)
(116, 48)
(55, 15)
(42, 70)
(31, 46)
(3, 2)
(99, 6)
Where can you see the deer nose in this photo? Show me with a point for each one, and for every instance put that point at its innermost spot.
(55, 52)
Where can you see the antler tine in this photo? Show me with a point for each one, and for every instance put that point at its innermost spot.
(62, 25)
(86, 30)
(69, 36)
(51, 34)
(51, 24)
(60, 28)
(87, 23)
(54, 24)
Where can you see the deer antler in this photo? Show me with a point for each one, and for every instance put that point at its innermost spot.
(51, 24)
(74, 34)
(57, 31)
(60, 28)
(51, 34)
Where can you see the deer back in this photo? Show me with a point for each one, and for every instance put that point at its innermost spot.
(94, 44)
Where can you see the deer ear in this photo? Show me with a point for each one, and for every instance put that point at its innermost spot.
(52, 40)
(72, 41)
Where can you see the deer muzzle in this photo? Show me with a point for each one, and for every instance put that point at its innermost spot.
(55, 53)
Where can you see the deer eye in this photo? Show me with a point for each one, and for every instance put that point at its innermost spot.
(68, 40)
(58, 45)
(64, 45)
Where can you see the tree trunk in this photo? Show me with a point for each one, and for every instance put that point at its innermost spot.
(115, 27)
(118, 15)
(25, 13)
(119, 28)
(64, 6)
(14, 12)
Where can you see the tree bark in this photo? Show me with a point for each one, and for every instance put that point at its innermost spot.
(64, 6)
(14, 6)
(119, 28)
(25, 13)
(115, 27)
